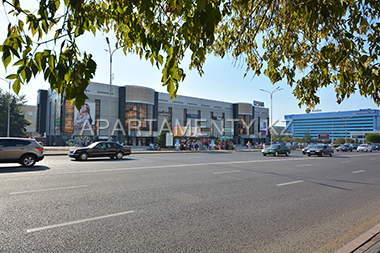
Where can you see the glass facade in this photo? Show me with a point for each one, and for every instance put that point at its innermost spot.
(336, 124)
(137, 116)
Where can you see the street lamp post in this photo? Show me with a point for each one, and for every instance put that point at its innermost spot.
(345, 125)
(271, 108)
(109, 104)
(9, 105)
(332, 132)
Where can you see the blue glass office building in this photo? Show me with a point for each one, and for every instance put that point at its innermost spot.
(333, 124)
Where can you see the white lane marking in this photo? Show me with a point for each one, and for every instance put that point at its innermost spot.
(303, 165)
(224, 172)
(179, 165)
(346, 161)
(77, 222)
(358, 171)
(51, 189)
(294, 182)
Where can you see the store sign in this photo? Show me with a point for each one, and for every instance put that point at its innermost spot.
(225, 137)
(193, 116)
(360, 112)
(323, 136)
(258, 103)
(163, 113)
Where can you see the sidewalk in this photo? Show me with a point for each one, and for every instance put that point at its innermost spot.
(369, 242)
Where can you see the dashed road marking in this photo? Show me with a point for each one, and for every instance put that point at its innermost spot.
(77, 222)
(225, 172)
(289, 183)
(50, 189)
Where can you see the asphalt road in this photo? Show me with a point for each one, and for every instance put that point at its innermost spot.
(195, 202)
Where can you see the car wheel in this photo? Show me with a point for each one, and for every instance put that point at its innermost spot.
(331, 153)
(308, 155)
(287, 153)
(264, 154)
(276, 154)
(28, 160)
(119, 155)
(83, 156)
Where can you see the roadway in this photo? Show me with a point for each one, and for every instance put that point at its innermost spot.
(190, 202)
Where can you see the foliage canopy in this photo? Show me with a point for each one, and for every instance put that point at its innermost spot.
(311, 44)
(372, 138)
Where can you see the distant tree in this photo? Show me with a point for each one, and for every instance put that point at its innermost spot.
(340, 141)
(18, 123)
(306, 138)
(161, 139)
(373, 138)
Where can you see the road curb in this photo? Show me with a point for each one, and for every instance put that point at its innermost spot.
(361, 241)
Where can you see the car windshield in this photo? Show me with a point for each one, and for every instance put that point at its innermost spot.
(92, 145)
(274, 146)
(319, 146)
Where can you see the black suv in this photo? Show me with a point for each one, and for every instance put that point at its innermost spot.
(20, 150)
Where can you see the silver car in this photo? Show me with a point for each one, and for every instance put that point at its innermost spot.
(20, 150)
(364, 148)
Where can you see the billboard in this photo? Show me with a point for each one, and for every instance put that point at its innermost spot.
(84, 119)
(263, 127)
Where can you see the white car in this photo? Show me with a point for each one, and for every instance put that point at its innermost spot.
(364, 148)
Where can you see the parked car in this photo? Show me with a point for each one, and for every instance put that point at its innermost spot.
(305, 149)
(375, 146)
(344, 147)
(320, 150)
(20, 150)
(276, 149)
(100, 149)
(364, 148)
(355, 146)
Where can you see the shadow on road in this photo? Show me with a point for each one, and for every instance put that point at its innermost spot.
(19, 168)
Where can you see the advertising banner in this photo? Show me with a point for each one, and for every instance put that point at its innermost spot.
(179, 131)
(84, 119)
(263, 127)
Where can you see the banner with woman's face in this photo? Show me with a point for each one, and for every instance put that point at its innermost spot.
(85, 118)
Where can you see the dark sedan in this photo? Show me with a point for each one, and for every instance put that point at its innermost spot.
(320, 150)
(344, 147)
(276, 149)
(100, 149)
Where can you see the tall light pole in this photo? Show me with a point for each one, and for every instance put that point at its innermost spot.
(9, 105)
(271, 108)
(332, 132)
(109, 115)
(345, 125)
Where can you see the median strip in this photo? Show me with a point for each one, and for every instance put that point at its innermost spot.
(77, 222)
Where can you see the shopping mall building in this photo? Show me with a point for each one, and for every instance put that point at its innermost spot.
(135, 115)
(332, 125)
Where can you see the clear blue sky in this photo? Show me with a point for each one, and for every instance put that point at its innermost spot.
(223, 80)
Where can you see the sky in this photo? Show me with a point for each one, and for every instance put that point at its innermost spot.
(223, 80)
